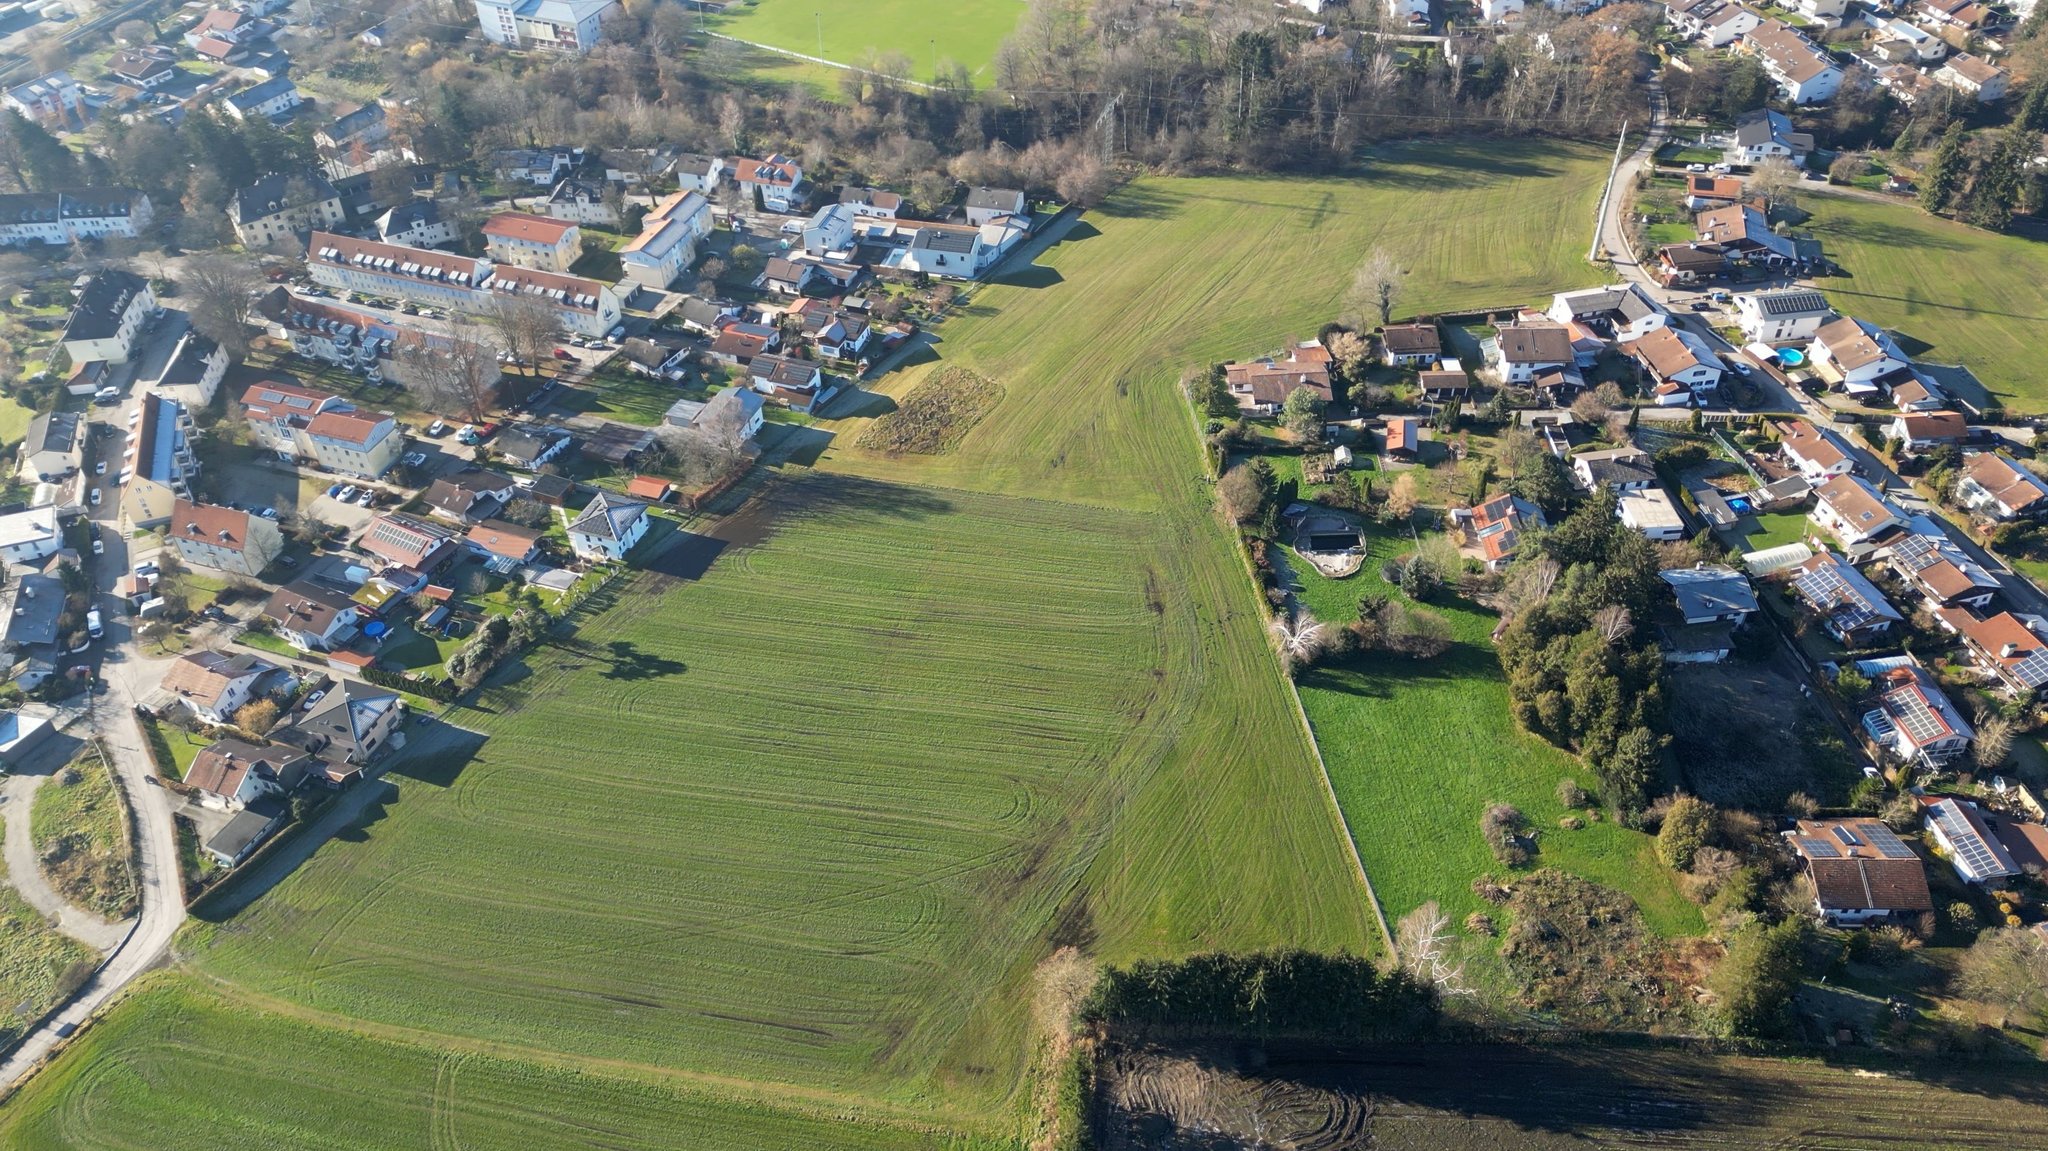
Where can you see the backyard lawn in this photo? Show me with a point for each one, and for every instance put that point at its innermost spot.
(847, 31)
(1772, 529)
(617, 394)
(1973, 297)
(781, 831)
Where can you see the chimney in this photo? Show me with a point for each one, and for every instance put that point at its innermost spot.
(2008, 651)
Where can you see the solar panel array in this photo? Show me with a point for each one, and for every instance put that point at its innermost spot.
(1964, 840)
(1912, 711)
(1887, 844)
(1826, 586)
(1817, 848)
(2032, 670)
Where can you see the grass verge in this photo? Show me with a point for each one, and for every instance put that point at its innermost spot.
(80, 841)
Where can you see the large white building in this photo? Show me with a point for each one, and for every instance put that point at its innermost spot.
(110, 312)
(667, 243)
(465, 283)
(1803, 72)
(532, 241)
(558, 25)
(69, 216)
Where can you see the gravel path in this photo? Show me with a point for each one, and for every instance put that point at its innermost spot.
(26, 876)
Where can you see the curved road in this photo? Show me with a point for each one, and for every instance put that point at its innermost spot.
(25, 873)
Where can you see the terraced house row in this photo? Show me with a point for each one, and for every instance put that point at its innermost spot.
(463, 283)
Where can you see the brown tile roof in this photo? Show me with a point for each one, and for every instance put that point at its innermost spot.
(2009, 483)
(349, 427)
(1534, 344)
(1809, 444)
(1412, 339)
(1713, 187)
(1660, 350)
(270, 399)
(1853, 502)
(209, 524)
(1858, 875)
(221, 768)
(648, 487)
(1788, 51)
(1848, 344)
(558, 288)
(774, 170)
(1934, 425)
(1270, 381)
(1992, 635)
(502, 539)
(528, 227)
(204, 675)
(1975, 69)
(305, 606)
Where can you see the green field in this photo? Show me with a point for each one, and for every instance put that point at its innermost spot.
(793, 831)
(34, 957)
(1973, 296)
(965, 31)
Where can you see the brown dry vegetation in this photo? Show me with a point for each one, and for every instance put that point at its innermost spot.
(1583, 955)
(934, 415)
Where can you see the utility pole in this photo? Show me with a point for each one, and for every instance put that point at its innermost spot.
(820, 18)
(935, 59)
(1600, 220)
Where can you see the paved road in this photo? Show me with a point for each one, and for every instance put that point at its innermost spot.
(129, 676)
(25, 874)
(1614, 220)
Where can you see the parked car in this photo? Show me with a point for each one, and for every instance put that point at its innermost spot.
(95, 497)
(437, 428)
(347, 493)
(268, 513)
(368, 497)
(312, 699)
(1695, 167)
(413, 459)
(564, 354)
(106, 396)
(619, 330)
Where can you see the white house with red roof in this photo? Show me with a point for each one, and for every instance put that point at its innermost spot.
(531, 241)
(778, 180)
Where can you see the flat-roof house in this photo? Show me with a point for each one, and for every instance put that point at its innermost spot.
(1782, 315)
(1925, 431)
(1849, 606)
(211, 536)
(608, 527)
(1854, 512)
(1652, 512)
(312, 617)
(214, 684)
(1861, 871)
(1410, 345)
(1996, 487)
(1520, 351)
(548, 25)
(1495, 527)
(667, 243)
(1940, 571)
(1744, 234)
(53, 446)
(1913, 719)
(232, 773)
(1263, 385)
(1818, 453)
(1710, 593)
(239, 837)
(529, 241)
(2003, 646)
(1623, 469)
(1959, 827)
(110, 312)
(1803, 73)
(1975, 76)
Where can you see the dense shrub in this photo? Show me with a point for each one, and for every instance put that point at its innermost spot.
(1686, 827)
(1290, 992)
(1503, 825)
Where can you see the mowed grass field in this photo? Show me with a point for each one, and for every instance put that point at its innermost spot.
(1974, 296)
(792, 827)
(1418, 750)
(965, 31)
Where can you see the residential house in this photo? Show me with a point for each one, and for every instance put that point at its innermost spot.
(986, 204)
(1997, 488)
(608, 527)
(1959, 828)
(1803, 73)
(786, 276)
(1444, 387)
(226, 24)
(469, 497)
(311, 617)
(730, 418)
(1819, 453)
(408, 541)
(778, 181)
(1849, 606)
(232, 773)
(703, 316)
(504, 547)
(1626, 308)
(1855, 354)
(1495, 527)
(1262, 386)
(1913, 719)
(1744, 234)
(69, 216)
(1704, 192)
(279, 208)
(52, 98)
(278, 414)
(583, 201)
(1912, 391)
(210, 536)
(1519, 351)
(1828, 12)
(667, 243)
(347, 729)
(240, 836)
(529, 241)
(547, 25)
(1954, 15)
(1782, 316)
(837, 333)
(695, 173)
(1410, 345)
(1652, 512)
(1925, 431)
(1862, 873)
(794, 383)
(955, 251)
(1854, 512)
(214, 684)
(1728, 22)
(874, 203)
(2003, 646)
(1678, 366)
(417, 224)
(1901, 42)
(1932, 564)
(355, 124)
(538, 166)
(1710, 594)
(159, 462)
(830, 231)
(1975, 76)
(191, 374)
(267, 100)
(530, 446)
(144, 69)
(1622, 469)
(53, 446)
(1403, 435)
(1684, 265)
(1499, 11)
(30, 535)
(353, 442)
(110, 312)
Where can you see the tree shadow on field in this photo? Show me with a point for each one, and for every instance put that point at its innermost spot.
(1140, 201)
(628, 662)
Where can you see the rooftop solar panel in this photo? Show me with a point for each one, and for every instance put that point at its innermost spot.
(1887, 844)
(1818, 849)
(1848, 837)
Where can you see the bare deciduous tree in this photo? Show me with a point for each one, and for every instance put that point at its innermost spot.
(1374, 288)
(1302, 639)
(528, 326)
(453, 373)
(220, 294)
(1774, 179)
(1613, 623)
(1424, 939)
(1994, 740)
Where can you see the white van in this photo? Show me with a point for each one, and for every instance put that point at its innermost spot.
(92, 624)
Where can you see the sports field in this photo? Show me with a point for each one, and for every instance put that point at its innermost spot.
(787, 824)
(967, 32)
(1973, 297)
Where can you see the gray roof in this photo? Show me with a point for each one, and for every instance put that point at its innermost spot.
(53, 432)
(575, 189)
(1763, 126)
(607, 517)
(733, 407)
(527, 443)
(249, 825)
(1710, 590)
(1619, 469)
(249, 98)
(944, 240)
(68, 204)
(97, 314)
(348, 711)
(272, 194)
(993, 197)
(33, 603)
(408, 215)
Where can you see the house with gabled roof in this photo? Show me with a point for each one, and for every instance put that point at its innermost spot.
(531, 241)
(1519, 351)
(1677, 366)
(608, 527)
(311, 616)
(1817, 452)
(1410, 345)
(1995, 486)
(1925, 431)
(1975, 76)
(1852, 352)
(1847, 604)
(408, 541)
(214, 685)
(1495, 527)
(1626, 307)
(1862, 872)
(230, 774)
(1622, 469)
(1680, 265)
(1744, 234)
(1762, 134)
(1932, 564)
(1913, 717)
(1710, 593)
(224, 539)
(1782, 315)
(504, 547)
(778, 180)
(350, 726)
(2006, 647)
(1804, 73)
(1263, 385)
(1854, 512)
(986, 204)
(1963, 832)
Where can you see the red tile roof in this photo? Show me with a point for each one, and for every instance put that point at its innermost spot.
(528, 227)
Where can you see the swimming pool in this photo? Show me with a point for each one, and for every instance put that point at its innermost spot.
(1791, 357)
